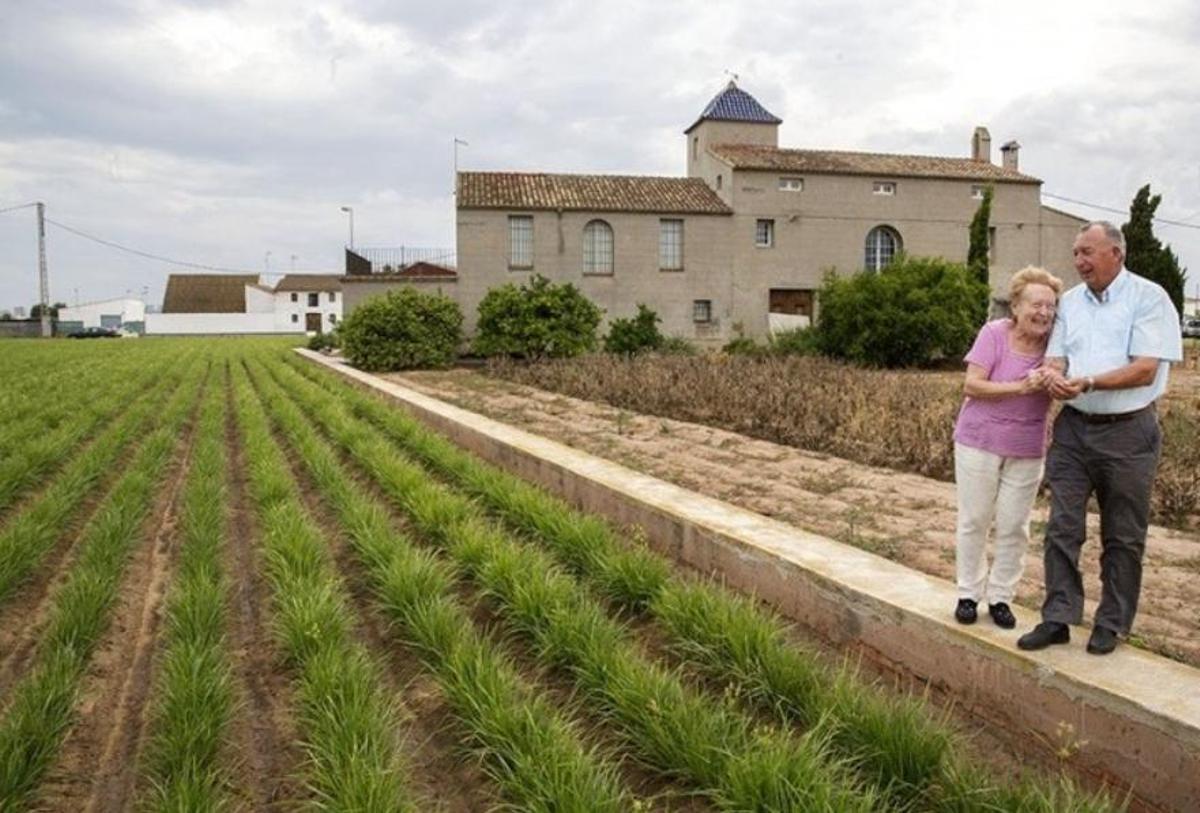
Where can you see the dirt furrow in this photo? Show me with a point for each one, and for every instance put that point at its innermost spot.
(97, 767)
(423, 696)
(437, 763)
(25, 613)
(264, 750)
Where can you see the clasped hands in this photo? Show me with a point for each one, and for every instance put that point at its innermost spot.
(1051, 380)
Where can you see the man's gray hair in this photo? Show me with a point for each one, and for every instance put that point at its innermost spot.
(1112, 232)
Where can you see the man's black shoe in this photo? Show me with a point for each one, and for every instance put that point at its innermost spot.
(1045, 634)
(1002, 615)
(1102, 642)
(965, 612)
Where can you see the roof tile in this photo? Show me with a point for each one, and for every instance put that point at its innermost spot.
(596, 193)
(207, 293)
(836, 162)
(735, 104)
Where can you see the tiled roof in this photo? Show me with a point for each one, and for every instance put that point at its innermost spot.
(310, 282)
(593, 193)
(884, 165)
(735, 104)
(207, 293)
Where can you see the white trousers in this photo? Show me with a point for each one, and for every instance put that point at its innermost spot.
(992, 487)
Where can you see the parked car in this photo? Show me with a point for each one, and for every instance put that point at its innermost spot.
(94, 333)
(1191, 327)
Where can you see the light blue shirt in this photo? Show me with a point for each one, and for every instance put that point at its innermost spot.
(1132, 317)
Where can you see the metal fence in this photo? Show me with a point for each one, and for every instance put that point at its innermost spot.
(397, 258)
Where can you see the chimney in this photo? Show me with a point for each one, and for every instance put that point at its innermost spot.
(1008, 155)
(981, 145)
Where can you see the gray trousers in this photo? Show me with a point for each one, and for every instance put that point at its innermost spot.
(1117, 462)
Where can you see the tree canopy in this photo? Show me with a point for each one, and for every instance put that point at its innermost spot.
(1145, 255)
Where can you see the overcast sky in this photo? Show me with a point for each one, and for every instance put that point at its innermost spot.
(216, 132)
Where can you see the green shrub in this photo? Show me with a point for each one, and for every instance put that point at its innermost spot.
(628, 337)
(325, 341)
(402, 330)
(537, 320)
(913, 312)
(801, 341)
(676, 346)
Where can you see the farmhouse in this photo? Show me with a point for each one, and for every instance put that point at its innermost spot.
(206, 304)
(742, 242)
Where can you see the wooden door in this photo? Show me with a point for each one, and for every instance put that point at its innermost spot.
(798, 301)
(312, 322)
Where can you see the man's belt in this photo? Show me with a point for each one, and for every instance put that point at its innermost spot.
(1113, 417)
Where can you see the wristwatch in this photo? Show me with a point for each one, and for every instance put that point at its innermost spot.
(1089, 384)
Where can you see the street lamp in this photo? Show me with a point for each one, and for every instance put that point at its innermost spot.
(350, 211)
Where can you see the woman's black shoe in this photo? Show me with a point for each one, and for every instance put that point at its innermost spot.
(965, 612)
(1002, 615)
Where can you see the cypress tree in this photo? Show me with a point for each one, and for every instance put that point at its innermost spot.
(1145, 255)
(977, 250)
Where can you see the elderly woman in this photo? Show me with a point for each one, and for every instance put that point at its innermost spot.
(1000, 445)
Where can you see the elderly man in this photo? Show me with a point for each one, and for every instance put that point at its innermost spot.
(1114, 339)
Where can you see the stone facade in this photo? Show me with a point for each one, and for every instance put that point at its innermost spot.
(820, 206)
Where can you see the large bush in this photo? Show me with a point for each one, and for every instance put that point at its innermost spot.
(629, 337)
(913, 312)
(538, 320)
(402, 330)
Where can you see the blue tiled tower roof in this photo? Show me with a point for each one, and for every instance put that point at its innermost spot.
(735, 104)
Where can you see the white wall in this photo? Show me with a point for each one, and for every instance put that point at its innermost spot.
(286, 309)
(89, 313)
(183, 324)
(258, 300)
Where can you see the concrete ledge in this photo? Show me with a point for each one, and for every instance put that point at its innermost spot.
(1135, 716)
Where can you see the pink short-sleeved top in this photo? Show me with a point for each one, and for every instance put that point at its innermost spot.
(1013, 426)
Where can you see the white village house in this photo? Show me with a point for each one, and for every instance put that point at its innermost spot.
(238, 304)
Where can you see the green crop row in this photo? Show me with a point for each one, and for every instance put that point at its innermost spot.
(903, 751)
(194, 695)
(41, 705)
(347, 721)
(532, 752)
(60, 393)
(42, 447)
(740, 764)
(30, 534)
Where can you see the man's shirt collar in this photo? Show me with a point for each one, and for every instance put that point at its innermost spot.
(1114, 288)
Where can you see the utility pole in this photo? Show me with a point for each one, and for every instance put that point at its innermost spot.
(43, 278)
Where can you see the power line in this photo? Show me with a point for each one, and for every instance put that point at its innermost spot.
(14, 208)
(1120, 211)
(147, 254)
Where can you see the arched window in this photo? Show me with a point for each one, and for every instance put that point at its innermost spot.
(597, 248)
(883, 243)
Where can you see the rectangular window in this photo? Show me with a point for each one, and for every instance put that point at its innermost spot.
(702, 310)
(295, 318)
(670, 245)
(295, 297)
(977, 192)
(333, 296)
(884, 188)
(314, 300)
(333, 318)
(520, 241)
(764, 233)
(791, 184)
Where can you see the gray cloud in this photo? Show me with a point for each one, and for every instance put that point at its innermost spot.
(223, 145)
